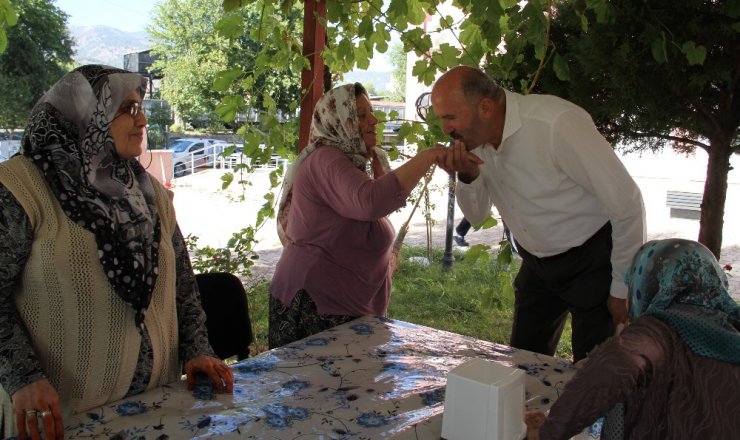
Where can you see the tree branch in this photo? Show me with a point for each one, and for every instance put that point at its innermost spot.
(638, 134)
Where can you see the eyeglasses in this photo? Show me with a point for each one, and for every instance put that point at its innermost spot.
(132, 108)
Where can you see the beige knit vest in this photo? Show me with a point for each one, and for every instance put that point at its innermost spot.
(82, 331)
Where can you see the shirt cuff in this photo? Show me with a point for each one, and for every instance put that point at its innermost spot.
(472, 186)
(618, 289)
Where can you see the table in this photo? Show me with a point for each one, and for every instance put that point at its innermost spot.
(367, 379)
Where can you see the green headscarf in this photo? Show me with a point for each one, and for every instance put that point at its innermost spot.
(682, 284)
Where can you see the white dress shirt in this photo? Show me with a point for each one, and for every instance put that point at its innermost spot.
(556, 181)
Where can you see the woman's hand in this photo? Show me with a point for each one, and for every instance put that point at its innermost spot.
(461, 161)
(214, 368)
(533, 420)
(37, 410)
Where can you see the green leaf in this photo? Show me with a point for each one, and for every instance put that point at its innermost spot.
(487, 223)
(584, 22)
(562, 71)
(416, 12)
(424, 71)
(446, 56)
(225, 78)
(470, 33)
(226, 180)
(504, 254)
(658, 48)
(8, 15)
(382, 37)
(475, 253)
(601, 8)
(229, 107)
(231, 5)
(694, 54)
(230, 26)
(365, 29)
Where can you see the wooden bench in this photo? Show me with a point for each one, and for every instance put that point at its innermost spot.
(683, 204)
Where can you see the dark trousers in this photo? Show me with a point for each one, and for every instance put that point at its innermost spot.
(547, 289)
(463, 227)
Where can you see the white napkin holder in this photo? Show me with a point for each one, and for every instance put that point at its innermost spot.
(484, 401)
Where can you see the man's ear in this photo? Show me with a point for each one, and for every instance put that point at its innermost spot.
(486, 108)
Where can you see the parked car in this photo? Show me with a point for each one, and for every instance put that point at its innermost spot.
(191, 153)
(229, 160)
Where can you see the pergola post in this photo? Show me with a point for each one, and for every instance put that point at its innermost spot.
(312, 80)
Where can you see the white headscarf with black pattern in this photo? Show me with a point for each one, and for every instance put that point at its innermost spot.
(68, 138)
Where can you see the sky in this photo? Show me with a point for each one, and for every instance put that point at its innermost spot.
(125, 15)
(133, 16)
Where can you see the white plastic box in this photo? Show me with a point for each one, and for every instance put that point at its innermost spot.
(484, 401)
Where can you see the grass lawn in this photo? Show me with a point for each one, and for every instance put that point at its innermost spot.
(470, 299)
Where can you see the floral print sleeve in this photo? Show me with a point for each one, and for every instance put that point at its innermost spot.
(19, 365)
(191, 319)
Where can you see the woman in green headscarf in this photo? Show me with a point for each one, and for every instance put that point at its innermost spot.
(676, 367)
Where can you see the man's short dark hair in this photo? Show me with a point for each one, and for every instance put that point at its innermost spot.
(476, 84)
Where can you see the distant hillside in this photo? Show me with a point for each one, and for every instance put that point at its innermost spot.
(106, 45)
(381, 81)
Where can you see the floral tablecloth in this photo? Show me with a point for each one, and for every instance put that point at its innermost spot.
(368, 379)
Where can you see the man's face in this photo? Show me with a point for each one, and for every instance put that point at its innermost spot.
(459, 118)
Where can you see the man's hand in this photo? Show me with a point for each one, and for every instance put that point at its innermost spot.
(618, 309)
(461, 161)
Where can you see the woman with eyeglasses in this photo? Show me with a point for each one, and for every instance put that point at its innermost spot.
(97, 297)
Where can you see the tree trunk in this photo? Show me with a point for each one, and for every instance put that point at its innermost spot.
(715, 195)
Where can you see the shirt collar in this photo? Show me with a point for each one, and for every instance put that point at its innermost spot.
(512, 122)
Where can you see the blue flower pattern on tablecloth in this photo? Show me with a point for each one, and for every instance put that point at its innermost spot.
(371, 378)
(204, 391)
(282, 416)
(255, 367)
(295, 385)
(434, 397)
(130, 408)
(394, 366)
(362, 329)
(371, 420)
(317, 342)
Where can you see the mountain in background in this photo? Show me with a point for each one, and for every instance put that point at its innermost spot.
(381, 81)
(106, 45)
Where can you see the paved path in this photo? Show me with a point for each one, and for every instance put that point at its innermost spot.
(212, 214)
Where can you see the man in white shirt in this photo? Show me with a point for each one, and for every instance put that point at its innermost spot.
(576, 213)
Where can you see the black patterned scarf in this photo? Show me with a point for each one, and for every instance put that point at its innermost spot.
(68, 138)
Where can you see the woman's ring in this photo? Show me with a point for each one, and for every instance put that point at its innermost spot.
(30, 413)
(45, 413)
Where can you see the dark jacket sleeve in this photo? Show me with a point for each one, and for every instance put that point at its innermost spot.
(612, 372)
(191, 319)
(19, 365)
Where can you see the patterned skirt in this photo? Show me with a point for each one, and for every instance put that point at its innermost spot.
(298, 320)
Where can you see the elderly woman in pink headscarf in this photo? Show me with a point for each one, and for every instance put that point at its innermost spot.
(332, 219)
